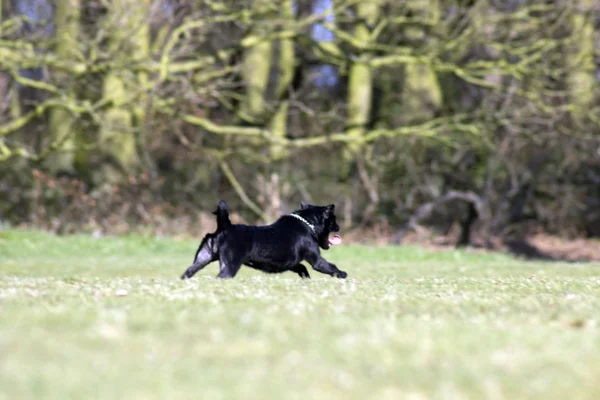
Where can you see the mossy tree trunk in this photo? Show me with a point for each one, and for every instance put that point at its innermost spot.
(61, 121)
(12, 88)
(581, 79)
(123, 121)
(360, 82)
(286, 64)
(421, 93)
(256, 71)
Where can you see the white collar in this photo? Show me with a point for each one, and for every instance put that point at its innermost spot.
(311, 226)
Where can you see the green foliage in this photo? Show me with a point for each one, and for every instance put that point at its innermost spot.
(428, 97)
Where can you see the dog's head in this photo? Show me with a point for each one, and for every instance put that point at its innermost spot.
(324, 221)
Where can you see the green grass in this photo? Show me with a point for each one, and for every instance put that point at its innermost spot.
(408, 323)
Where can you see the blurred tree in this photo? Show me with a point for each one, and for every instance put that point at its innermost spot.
(286, 67)
(421, 92)
(61, 120)
(484, 113)
(257, 64)
(582, 76)
(360, 76)
(124, 91)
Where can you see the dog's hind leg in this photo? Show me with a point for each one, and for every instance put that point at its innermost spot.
(301, 271)
(204, 256)
(230, 265)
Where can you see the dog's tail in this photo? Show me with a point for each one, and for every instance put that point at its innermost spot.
(222, 214)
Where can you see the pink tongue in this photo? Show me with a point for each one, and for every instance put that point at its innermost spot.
(336, 239)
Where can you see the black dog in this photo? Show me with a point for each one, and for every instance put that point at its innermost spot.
(278, 247)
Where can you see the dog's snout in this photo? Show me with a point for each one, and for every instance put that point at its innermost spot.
(336, 228)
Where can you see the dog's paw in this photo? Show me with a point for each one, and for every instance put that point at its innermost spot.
(184, 276)
(341, 275)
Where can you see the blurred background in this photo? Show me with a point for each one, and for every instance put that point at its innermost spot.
(473, 121)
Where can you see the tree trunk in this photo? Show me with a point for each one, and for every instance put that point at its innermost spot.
(581, 63)
(286, 67)
(124, 120)
(61, 121)
(255, 72)
(360, 83)
(421, 93)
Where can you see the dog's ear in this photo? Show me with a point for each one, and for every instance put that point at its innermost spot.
(329, 210)
(303, 205)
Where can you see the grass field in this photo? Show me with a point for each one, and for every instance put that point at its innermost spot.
(408, 323)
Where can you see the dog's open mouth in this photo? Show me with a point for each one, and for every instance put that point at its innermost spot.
(336, 239)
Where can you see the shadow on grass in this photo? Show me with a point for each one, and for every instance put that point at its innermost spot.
(523, 248)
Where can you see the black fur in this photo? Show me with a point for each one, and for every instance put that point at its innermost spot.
(275, 248)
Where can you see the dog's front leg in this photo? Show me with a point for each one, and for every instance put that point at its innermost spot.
(320, 264)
